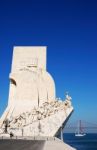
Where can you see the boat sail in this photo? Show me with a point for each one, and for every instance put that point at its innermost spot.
(79, 132)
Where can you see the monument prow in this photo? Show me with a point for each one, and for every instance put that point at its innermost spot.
(33, 109)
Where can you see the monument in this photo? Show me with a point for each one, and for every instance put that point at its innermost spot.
(33, 109)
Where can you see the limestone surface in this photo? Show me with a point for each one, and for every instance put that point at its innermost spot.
(33, 109)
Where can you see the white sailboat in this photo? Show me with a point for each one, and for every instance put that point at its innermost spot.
(79, 132)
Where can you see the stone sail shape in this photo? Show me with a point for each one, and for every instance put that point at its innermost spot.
(30, 83)
(33, 109)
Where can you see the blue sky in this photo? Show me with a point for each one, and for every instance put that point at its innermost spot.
(69, 29)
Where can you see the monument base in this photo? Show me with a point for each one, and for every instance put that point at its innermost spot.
(33, 143)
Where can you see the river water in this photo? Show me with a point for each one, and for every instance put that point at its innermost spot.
(87, 142)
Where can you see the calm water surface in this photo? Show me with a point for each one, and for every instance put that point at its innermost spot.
(87, 142)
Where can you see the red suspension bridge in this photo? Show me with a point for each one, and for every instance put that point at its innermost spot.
(87, 126)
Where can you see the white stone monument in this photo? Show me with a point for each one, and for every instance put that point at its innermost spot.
(33, 109)
(30, 83)
(32, 106)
